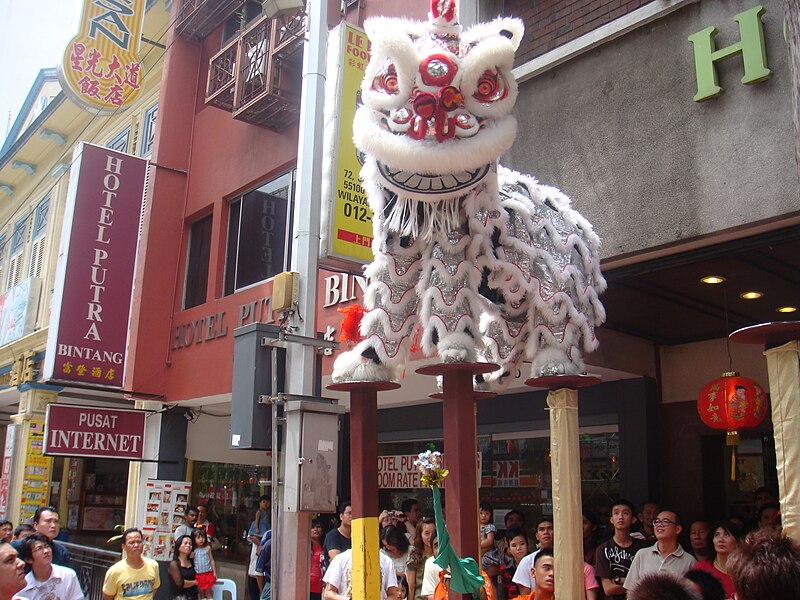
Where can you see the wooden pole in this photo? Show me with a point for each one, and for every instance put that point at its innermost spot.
(365, 543)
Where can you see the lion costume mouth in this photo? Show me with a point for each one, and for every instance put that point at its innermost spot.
(436, 185)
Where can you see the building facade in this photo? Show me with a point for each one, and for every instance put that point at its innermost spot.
(35, 165)
(676, 188)
(667, 122)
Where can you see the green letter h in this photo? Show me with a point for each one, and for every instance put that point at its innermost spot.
(750, 46)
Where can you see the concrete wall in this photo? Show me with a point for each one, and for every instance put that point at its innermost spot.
(617, 129)
(686, 368)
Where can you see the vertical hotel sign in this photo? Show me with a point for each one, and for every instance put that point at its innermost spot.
(94, 277)
(347, 227)
(101, 70)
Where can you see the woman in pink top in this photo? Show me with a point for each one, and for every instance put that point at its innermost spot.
(725, 537)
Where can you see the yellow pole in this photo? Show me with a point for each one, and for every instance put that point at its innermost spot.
(566, 472)
(366, 561)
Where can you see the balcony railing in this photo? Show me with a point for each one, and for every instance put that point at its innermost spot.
(259, 81)
(222, 77)
(91, 565)
(198, 18)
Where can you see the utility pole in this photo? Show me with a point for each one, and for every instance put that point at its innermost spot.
(295, 527)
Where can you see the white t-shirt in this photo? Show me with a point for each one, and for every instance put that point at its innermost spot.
(62, 584)
(430, 579)
(522, 576)
(400, 564)
(340, 573)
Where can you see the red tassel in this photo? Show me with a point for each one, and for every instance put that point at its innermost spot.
(351, 323)
(416, 341)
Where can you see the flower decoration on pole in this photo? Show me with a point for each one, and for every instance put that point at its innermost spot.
(465, 575)
(732, 403)
(430, 465)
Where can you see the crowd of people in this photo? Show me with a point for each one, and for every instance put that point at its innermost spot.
(637, 556)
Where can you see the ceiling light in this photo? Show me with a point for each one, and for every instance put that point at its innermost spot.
(713, 279)
(786, 309)
(751, 295)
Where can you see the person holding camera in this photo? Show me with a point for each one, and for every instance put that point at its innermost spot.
(397, 519)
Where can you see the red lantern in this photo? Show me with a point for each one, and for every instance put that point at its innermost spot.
(732, 403)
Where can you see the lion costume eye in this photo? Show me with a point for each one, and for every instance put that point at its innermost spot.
(386, 81)
(491, 87)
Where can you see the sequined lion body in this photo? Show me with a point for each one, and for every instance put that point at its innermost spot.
(486, 263)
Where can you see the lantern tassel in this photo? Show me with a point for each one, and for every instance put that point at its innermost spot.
(732, 440)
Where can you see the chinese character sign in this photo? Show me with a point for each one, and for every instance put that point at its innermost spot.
(101, 70)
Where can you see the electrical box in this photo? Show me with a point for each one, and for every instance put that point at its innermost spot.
(311, 456)
(251, 419)
(285, 290)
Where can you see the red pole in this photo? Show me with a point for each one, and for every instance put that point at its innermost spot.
(460, 450)
(364, 452)
(460, 454)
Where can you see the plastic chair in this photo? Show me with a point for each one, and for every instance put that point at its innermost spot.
(224, 585)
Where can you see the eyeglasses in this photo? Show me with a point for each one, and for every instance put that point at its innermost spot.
(664, 522)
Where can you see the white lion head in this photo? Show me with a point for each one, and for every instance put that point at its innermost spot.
(437, 103)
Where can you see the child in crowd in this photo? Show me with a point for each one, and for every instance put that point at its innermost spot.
(204, 565)
(488, 530)
(613, 558)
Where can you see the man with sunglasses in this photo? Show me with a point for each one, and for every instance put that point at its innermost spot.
(665, 555)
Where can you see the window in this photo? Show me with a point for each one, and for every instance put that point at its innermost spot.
(120, 141)
(39, 238)
(257, 240)
(197, 263)
(16, 252)
(240, 20)
(149, 130)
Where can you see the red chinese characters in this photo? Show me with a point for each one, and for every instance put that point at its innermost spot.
(105, 78)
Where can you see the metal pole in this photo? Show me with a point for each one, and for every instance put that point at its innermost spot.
(295, 527)
(276, 486)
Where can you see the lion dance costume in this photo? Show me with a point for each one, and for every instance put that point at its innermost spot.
(488, 264)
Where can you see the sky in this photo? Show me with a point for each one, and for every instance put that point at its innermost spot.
(33, 36)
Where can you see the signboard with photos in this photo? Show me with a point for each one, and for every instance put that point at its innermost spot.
(165, 505)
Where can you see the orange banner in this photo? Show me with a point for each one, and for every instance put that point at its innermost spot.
(101, 70)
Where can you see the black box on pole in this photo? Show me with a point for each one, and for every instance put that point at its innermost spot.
(251, 420)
